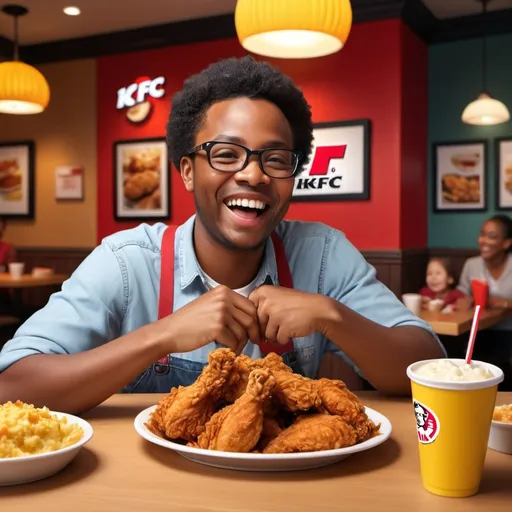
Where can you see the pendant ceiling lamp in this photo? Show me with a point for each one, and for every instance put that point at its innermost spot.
(485, 110)
(23, 89)
(293, 29)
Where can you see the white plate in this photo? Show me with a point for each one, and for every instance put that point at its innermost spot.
(263, 461)
(21, 470)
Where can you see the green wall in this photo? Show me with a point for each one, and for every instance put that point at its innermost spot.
(455, 72)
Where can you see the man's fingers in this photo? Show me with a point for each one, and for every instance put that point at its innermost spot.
(249, 323)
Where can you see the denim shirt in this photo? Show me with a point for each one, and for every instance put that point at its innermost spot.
(115, 291)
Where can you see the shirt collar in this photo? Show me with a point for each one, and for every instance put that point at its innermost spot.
(189, 266)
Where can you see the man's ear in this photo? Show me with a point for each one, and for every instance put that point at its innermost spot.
(187, 173)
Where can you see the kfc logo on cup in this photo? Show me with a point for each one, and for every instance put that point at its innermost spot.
(338, 168)
(137, 98)
(427, 424)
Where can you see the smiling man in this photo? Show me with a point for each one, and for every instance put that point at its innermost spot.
(144, 310)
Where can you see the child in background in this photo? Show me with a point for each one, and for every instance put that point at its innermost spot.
(440, 283)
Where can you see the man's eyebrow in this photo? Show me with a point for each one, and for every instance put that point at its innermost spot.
(274, 143)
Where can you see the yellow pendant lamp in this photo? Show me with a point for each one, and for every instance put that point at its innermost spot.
(293, 29)
(23, 89)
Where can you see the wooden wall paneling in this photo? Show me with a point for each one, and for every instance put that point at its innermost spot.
(61, 260)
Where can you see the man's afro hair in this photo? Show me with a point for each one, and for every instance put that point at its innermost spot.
(235, 78)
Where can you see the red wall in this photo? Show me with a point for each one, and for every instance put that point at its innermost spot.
(364, 80)
(414, 141)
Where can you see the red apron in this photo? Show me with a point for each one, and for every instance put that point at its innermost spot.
(166, 298)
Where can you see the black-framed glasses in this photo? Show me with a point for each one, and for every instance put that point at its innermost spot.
(278, 163)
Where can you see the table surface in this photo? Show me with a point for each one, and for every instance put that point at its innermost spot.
(118, 470)
(459, 322)
(30, 281)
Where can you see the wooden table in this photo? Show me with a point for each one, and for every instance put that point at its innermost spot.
(119, 471)
(30, 281)
(459, 322)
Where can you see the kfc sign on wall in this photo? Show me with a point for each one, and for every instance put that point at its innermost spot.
(339, 166)
(137, 98)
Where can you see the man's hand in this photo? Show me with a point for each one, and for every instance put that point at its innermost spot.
(284, 313)
(220, 315)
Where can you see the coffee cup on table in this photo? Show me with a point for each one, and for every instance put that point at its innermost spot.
(413, 302)
(16, 269)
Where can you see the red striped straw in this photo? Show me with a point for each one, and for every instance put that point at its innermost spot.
(472, 335)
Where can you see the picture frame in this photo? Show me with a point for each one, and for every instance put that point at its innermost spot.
(339, 166)
(69, 183)
(17, 179)
(503, 173)
(460, 176)
(142, 181)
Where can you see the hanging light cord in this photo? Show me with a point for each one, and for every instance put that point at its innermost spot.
(16, 55)
(484, 47)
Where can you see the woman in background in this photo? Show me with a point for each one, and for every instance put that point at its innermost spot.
(494, 264)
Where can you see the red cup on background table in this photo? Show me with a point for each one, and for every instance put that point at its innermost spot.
(480, 291)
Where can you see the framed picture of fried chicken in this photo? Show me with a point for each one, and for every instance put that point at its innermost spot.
(142, 180)
(460, 178)
(17, 179)
(503, 173)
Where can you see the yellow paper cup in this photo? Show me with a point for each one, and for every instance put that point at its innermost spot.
(453, 419)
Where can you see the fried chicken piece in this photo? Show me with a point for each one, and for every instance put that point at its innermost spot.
(243, 366)
(156, 420)
(338, 400)
(295, 392)
(237, 427)
(313, 432)
(271, 429)
(238, 378)
(274, 362)
(292, 391)
(183, 413)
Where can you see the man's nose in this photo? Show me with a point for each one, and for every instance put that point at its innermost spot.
(252, 174)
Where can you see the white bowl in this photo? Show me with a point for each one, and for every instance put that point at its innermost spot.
(21, 470)
(500, 437)
(435, 305)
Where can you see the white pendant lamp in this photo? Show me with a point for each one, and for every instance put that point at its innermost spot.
(293, 29)
(23, 89)
(485, 110)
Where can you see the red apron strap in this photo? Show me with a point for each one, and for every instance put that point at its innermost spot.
(283, 269)
(285, 279)
(166, 298)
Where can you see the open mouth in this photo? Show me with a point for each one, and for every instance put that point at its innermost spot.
(247, 208)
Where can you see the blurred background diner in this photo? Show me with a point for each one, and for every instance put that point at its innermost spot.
(413, 138)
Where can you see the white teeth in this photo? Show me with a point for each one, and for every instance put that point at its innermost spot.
(247, 203)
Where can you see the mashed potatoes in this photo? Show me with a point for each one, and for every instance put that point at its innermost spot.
(503, 413)
(26, 430)
(446, 370)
